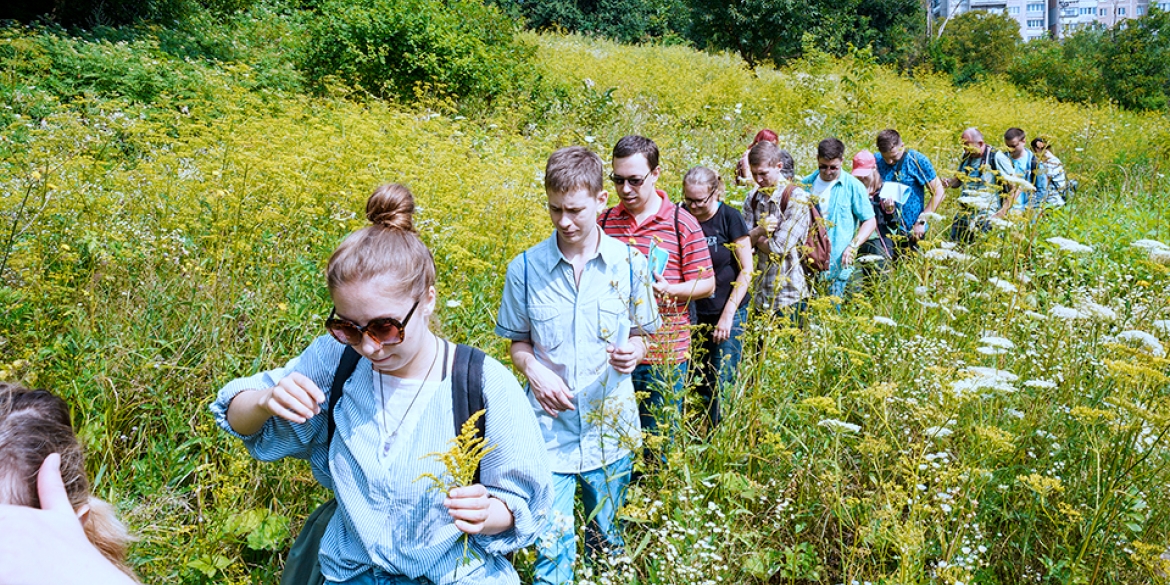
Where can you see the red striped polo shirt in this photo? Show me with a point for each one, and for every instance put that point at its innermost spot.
(672, 342)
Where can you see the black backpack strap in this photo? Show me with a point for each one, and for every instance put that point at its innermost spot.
(345, 367)
(467, 390)
(678, 234)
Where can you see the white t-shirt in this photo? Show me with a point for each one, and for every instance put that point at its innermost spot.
(403, 402)
(820, 186)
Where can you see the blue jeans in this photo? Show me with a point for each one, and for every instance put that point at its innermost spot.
(602, 492)
(659, 382)
(720, 362)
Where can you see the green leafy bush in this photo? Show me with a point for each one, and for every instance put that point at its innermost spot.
(401, 48)
(1066, 70)
(976, 44)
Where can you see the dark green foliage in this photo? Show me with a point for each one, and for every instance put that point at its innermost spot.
(1066, 70)
(397, 48)
(1135, 66)
(628, 21)
(94, 13)
(976, 44)
(772, 31)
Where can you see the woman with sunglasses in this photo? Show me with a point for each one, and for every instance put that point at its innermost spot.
(725, 312)
(396, 409)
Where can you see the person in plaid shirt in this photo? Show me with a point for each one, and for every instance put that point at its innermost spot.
(777, 234)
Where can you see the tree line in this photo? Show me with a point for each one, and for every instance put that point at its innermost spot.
(467, 46)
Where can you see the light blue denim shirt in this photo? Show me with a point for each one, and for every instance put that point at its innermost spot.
(385, 518)
(570, 327)
(849, 206)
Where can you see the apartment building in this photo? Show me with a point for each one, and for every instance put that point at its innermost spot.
(1041, 18)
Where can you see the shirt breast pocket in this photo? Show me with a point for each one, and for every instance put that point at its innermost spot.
(548, 330)
(610, 313)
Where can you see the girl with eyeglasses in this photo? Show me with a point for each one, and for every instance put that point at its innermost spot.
(725, 312)
(396, 409)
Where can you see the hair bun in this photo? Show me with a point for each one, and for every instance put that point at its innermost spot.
(391, 206)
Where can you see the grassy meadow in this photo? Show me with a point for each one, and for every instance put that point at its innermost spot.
(983, 415)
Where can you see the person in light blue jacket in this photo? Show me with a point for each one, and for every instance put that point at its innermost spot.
(396, 410)
(844, 203)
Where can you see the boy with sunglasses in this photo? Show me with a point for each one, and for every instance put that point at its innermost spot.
(655, 226)
(566, 302)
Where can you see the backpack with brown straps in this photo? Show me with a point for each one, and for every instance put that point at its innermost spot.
(817, 252)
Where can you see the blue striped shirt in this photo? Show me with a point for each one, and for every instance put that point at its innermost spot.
(385, 518)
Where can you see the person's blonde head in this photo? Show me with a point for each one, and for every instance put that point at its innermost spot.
(33, 425)
(388, 250)
(705, 179)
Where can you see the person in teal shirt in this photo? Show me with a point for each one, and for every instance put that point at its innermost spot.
(844, 203)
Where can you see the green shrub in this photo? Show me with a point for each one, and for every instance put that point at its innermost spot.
(976, 44)
(1136, 64)
(1067, 70)
(399, 48)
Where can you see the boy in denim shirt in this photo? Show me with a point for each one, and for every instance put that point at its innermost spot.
(567, 302)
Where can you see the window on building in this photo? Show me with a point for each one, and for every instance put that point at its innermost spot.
(1034, 7)
(1087, 11)
(1141, 10)
(1037, 23)
(1121, 11)
(1101, 12)
(1014, 10)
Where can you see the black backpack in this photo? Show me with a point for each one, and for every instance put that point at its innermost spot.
(303, 565)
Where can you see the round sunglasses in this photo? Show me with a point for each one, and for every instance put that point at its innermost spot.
(383, 330)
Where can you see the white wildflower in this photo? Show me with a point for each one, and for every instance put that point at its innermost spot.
(839, 425)
(921, 291)
(1064, 312)
(867, 258)
(1014, 413)
(1151, 343)
(885, 321)
(948, 245)
(992, 254)
(970, 277)
(1003, 285)
(453, 303)
(930, 216)
(1040, 384)
(1095, 311)
(1067, 245)
(590, 139)
(937, 432)
(985, 350)
(1163, 325)
(1149, 245)
(1035, 315)
(1160, 256)
(999, 223)
(995, 341)
(991, 373)
(945, 254)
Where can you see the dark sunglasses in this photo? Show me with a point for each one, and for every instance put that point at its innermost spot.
(633, 181)
(385, 330)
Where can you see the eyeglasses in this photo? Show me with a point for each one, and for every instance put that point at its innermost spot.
(700, 202)
(633, 181)
(385, 331)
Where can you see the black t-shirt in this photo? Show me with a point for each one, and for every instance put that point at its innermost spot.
(726, 226)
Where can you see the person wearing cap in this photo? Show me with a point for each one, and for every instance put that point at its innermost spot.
(906, 166)
(875, 254)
